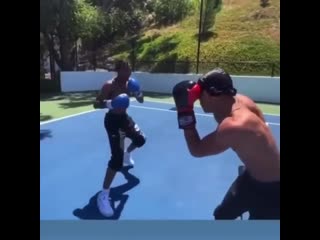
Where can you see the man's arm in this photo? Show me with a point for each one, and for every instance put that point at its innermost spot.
(185, 93)
(212, 144)
(102, 96)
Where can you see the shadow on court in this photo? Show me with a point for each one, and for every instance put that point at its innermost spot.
(45, 134)
(45, 117)
(75, 104)
(91, 212)
(81, 96)
(68, 100)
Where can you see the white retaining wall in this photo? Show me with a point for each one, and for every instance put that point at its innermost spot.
(260, 89)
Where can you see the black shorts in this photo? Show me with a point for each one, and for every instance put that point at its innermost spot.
(119, 126)
(261, 200)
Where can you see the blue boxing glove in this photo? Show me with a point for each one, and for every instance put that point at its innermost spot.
(134, 87)
(122, 101)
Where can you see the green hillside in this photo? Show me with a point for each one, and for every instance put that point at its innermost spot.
(244, 31)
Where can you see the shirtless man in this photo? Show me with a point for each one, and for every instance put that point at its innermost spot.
(242, 128)
(114, 95)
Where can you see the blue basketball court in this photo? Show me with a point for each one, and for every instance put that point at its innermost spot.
(166, 183)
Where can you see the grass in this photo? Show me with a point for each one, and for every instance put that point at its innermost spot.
(244, 31)
(58, 105)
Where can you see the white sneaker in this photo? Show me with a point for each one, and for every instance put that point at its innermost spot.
(127, 160)
(104, 204)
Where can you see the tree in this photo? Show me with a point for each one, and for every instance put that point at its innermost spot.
(95, 22)
(42, 53)
(169, 11)
(210, 10)
(63, 22)
(264, 3)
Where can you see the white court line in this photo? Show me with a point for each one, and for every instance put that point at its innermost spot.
(198, 114)
(133, 100)
(69, 116)
(155, 101)
(73, 115)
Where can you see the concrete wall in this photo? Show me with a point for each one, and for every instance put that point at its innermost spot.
(260, 89)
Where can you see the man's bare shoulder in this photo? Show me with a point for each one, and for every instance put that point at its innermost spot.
(105, 90)
(251, 105)
(247, 100)
(107, 84)
(240, 121)
(227, 132)
(229, 126)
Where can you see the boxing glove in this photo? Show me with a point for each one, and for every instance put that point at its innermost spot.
(122, 101)
(185, 94)
(134, 87)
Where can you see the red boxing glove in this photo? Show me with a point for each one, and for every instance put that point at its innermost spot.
(185, 94)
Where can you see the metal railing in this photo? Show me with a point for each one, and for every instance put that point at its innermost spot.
(261, 68)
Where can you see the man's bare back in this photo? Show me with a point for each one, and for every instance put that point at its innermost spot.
(254, 142)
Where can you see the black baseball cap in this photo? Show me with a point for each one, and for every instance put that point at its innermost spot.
(217, 82)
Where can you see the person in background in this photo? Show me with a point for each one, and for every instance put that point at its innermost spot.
(115, 96)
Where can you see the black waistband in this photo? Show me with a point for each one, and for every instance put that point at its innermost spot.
(113, 114)
(259, 184)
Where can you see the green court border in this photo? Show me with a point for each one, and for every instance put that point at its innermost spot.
(59, 105)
